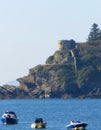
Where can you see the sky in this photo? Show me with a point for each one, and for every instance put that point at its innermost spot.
(30, 30)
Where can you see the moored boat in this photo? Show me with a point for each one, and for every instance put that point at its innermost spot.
(38, 123)
(9, 117)
(76, 125)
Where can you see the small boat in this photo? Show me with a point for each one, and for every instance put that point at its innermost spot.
(9, 117)
(76, 125)
(38, 123)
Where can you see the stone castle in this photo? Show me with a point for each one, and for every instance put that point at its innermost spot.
(66, 44)
(69, 46)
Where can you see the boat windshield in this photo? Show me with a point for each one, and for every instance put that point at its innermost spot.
(39, 120)
(10, 113)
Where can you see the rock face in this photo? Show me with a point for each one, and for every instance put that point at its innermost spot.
(6, 92)
(74, 71)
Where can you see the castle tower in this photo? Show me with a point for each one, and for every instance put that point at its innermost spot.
(66, 44)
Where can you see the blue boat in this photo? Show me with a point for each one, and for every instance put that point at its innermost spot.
(76, 125)
(9, 117)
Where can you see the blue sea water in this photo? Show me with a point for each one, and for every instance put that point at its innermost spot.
(56, 112)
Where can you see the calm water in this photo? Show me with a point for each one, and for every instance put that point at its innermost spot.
(56, 112)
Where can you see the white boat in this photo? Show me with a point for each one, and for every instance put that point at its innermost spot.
(76, 125)
(38, 123)
(9, 117)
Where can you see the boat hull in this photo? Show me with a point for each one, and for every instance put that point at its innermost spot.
(38, 125)
(7, 121)
(79, 128)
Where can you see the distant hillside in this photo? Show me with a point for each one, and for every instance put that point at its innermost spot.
(13, 82)
(73, 71)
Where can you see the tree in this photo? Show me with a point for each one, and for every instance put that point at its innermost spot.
(95, 33)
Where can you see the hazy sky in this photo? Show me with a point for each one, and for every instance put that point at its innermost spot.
(30, 30)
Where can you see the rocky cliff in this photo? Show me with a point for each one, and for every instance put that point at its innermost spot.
(73, 71)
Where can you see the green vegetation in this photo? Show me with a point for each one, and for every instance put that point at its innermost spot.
(95, 33)
(57, 57)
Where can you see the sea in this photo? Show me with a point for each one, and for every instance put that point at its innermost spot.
(57, 113)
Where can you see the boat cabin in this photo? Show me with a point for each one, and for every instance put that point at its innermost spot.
(38, 120)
